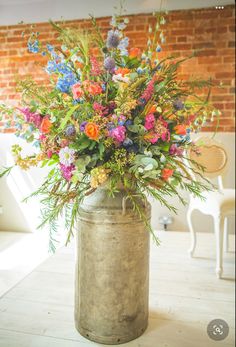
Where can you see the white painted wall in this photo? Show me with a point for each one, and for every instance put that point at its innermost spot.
(31, 11)
(18, 216)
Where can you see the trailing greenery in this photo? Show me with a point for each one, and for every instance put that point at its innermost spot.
(109, 114)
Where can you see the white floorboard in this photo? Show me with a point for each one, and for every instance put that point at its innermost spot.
(185, 296)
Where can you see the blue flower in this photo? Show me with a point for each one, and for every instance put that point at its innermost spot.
(65, 82)
(123, 43)
(33, 47)
(139, 70)
(50, 48)
(128, 122)
(158, 48)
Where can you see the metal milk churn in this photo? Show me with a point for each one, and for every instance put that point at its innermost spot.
(112, 270)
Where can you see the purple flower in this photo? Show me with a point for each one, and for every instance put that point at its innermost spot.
(67, 171)
(178, 104)
(70, 130)
(128, 122)
(113, 39)
(118, 133)
(109, 64)
(31, 117)
(175, 150)
(82, 126)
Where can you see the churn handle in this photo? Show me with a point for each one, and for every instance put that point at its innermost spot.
(124, 203)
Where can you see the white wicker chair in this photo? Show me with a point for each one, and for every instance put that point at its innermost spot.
(219, 204)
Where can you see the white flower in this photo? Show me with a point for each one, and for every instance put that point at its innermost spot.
(66, 156)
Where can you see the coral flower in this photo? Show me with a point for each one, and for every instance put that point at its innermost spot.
(46, 125)
(77, 91)
(91, 130)
(180, 129)
(92, 88)
(166, 173)
(135, 52)
(122, 71)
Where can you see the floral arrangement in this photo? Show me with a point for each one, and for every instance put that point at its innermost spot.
(112, 114)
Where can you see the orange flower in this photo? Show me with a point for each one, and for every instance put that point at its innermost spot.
(91, 130)
(166, 174)
(153, 109)
(77, 91)
(92, 88)
(123, 71)
(45, 125)
(135, 52)
(180, 129)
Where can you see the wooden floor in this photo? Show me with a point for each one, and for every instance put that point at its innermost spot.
(185, 296)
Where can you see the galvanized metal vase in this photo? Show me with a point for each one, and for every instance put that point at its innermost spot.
(112, 270)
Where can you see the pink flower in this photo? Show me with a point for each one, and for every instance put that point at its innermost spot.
(100, 109)
(49, 153)
(149, 121)
(118, 133)
(77, 91)
(95, 68)
(148, 92)
(67, 171)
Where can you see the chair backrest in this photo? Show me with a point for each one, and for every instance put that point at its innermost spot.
(212, 156)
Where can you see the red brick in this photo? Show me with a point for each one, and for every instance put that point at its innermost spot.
(208, 32)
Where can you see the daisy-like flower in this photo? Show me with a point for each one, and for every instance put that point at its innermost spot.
(66, 156)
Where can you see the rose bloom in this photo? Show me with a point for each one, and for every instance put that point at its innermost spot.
(46, 125)
(180, 129)
(92, 88)
(135, 52)
(166, 174)
(91, 130)
(122, 71)
(77, 91)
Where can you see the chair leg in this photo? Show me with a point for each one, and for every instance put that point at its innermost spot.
(192, 233)
(226, 235)
(219, 231)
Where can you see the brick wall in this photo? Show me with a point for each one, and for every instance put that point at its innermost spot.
(210, 32)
